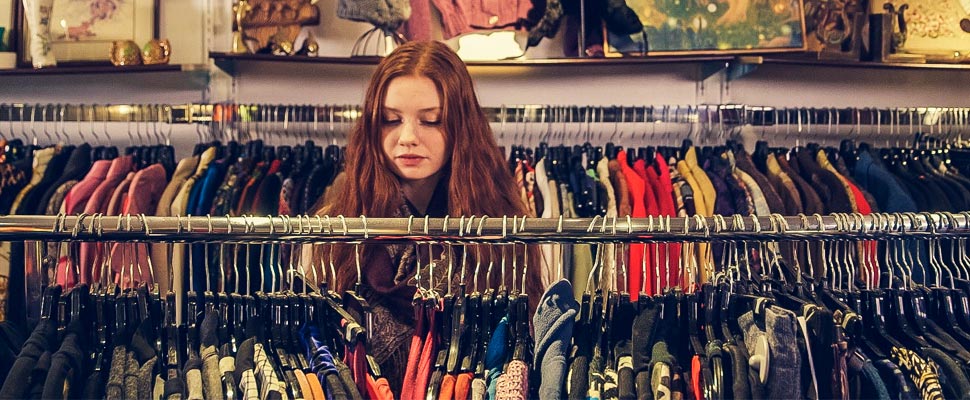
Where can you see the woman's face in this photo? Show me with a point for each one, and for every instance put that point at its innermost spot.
(412, 131)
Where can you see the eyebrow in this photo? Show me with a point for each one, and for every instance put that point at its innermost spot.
(392, 109)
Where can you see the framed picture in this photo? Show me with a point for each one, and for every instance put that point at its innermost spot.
(681, 27)
(938, 29)
(82, 31)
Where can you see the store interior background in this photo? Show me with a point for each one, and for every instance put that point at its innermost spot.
(196, 27)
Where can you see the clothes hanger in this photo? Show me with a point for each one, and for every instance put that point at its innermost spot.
(897, 319)
(943, 299)
(458, 327)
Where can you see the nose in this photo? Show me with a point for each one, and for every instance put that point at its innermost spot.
(408, 134)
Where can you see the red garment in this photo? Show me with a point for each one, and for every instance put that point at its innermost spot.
(447, 391)
(869, 245)
(425, 363)
(379, 389)
(635, 185)
(695, 378)
(417, 340)
(649, 198)
(463, 388)
(356, 360)
(663, 188)
(652, 284)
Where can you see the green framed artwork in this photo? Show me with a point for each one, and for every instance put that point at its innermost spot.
(681, 27)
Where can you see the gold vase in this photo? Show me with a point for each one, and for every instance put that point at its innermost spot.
(125, 52)
(156, 51)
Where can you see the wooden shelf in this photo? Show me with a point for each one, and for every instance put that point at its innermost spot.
(227, 61)
(813, 62)
(98, 68)
(737, 66)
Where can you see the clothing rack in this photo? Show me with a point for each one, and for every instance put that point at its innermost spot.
(480, 229)
(729, 115)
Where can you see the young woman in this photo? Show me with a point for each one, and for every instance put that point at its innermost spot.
(422, 147)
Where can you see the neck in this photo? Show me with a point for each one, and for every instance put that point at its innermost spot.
(419, 192)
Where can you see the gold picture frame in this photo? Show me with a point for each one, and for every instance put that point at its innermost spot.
(82, 31)
(712, 27)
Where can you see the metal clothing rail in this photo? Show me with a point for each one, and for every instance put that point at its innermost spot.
(480, 229)
(727, 115)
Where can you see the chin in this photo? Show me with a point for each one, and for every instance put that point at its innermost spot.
(415, 177)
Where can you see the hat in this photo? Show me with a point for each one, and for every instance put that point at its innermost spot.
(548, 25)
(621, 19)
(384, 14)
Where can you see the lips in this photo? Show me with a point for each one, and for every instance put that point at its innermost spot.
(409, 160)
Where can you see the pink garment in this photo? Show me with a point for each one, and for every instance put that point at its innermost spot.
(90, 253)
(496, 14)
(118, 195)
(146, 190)
(77, 198)
(453, 21)
(418, 26)
(514, 383)
(464, 16)
(120, 167)
(142, 197)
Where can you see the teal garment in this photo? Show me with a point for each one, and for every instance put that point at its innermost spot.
(493, 376)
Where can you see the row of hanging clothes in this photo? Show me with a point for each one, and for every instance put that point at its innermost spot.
(761, 327)
(219, 179)
(575, 181)
(612, 180)
(297, 340)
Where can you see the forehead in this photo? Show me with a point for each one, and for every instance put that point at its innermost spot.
(412, 93)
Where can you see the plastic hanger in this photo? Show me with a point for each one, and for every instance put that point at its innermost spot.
(457, 329)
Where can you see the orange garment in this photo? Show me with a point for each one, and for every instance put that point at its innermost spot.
(447, 388)
(303, 383)
(316, 390)
(463, 388)
(378, 389)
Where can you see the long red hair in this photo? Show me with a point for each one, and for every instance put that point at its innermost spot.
(479, 180)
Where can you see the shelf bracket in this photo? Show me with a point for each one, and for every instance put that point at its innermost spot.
(742, 66)
(711, 68)
(227, 65)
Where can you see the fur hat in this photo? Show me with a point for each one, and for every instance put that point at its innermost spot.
(384, 14)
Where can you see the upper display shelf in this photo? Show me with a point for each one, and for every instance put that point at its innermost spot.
(373, 60)
(809, 61)
(228, 62)
(100, 68)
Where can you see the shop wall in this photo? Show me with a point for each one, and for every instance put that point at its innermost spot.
(192, 31)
